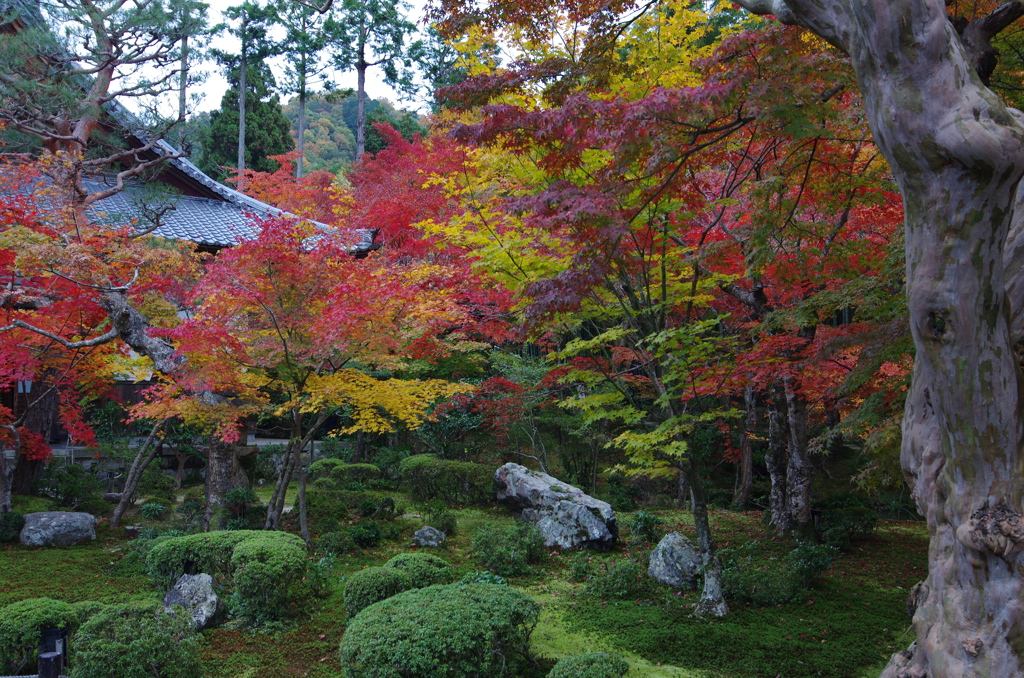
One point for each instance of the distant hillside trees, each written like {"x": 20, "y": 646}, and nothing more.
{"x": 331, "y": 129}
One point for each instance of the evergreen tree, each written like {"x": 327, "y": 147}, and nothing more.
{"x": 268, "y": 131}
{"x": 375, "y": 33}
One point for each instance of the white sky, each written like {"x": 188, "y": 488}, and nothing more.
{"x": 216, "y": 84}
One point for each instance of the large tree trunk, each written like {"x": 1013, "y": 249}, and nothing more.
{"x": 799, "y": 470}
{"x": 302, "y": 120}
{"x": 775, "y": 460}
{"x": 243, "y": 66}
{"x": 223, "y": 473}
{"x": 958, "y": 155}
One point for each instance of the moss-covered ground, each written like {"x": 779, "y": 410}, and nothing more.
{"x": 846, "y": 627}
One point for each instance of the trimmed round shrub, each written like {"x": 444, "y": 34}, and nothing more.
{"x": 458, "y": 631}
{"x": 10, "y": 526}
{"x": 355, "y": 473}
{"x": 509, "y": 552}
{"x": 323, "y": 468}
{"x": 20, "y": 624}
{"x": 265, "y": 570}
{"x": 590, "y": 665}
{"x": 372, "y": 585}
{"x": 335, "y": 543}
{"x": 423, "y": 569}
{"x": 136, "y": 641}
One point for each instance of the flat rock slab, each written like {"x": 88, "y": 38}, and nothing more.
{"x": 675, "y": 561}
{"x": 194, "y": 592}
{"x": 58, "y": 528}
{"x": 566, "y": 515}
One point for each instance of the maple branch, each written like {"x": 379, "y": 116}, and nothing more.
{"x": 86, "y": 343}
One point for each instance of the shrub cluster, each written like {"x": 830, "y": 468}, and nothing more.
{"x": 10, "y": 526}
{"x": 590, "y": 665}
{"x": 265, "y": 569}
{"x": 20, "y": 624}
{"x": 846, "y": 520}
{"x": 751, "y": 576}
{"x": 459, "y": 631}
{"x": 136, "y": 641}
{"x": 645, "y": 527}
{"x": 440, "y": 517}
{"x": 509, "y": 552}
{"x": 453, "y": 482}
{"x": 625, "y": 579}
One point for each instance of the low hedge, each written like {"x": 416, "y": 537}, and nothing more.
{"x": 453, "y": 482}
{"x": 458, "y": 631}
{"x": 136, "y": 641}
{"x": 372, "y": 585}
{"x": 591, "y": 665}
{"x": 423, "y": 569}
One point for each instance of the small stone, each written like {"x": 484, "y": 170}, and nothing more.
{"x": 194, "y": 592}
{"x": 58, "y": 528}
{"x": 428, "y": 536}
{"x": 675, "y": 561}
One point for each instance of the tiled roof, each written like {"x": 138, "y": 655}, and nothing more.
{"x": 219, "y": 221}
{"x": 204, "y": 221}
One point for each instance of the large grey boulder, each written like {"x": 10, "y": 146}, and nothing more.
{"x": 58, "y": 528}
{"x": 675, "y": 561}
{"x": 565, "y": 515}
{"x": 194, "y": 592}
{"x": 428, "y": 536}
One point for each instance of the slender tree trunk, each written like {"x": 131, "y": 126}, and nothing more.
{"x": 179, "y": 475}
{"x": 746, "y": 469}
{"x": 302, "y": 119}
{"x": 776, "y": 460}
{"x": 183, "y": 81}
{"x": 7, "y": 470}
{"x": 303, "y": 516}
{"x": 712, "y": 598}
{"x": 147, "y": 452}
{"x": 360, "y": 109}
{"x": 280, "y": 490}
{"x": 242, "y": 73}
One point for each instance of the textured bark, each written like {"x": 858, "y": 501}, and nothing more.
{"x": 799, "y": 470}
{"x": 746, "y": 468}
{"x": 775, "y": 460}
{"x": 958, "y": 155}
{"x": 223, "y": 473}
{"x": 712, "y": 598}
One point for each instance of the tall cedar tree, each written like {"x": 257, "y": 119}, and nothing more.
{"x": 267, "y": 130}
{"x": 374, "y": 34}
